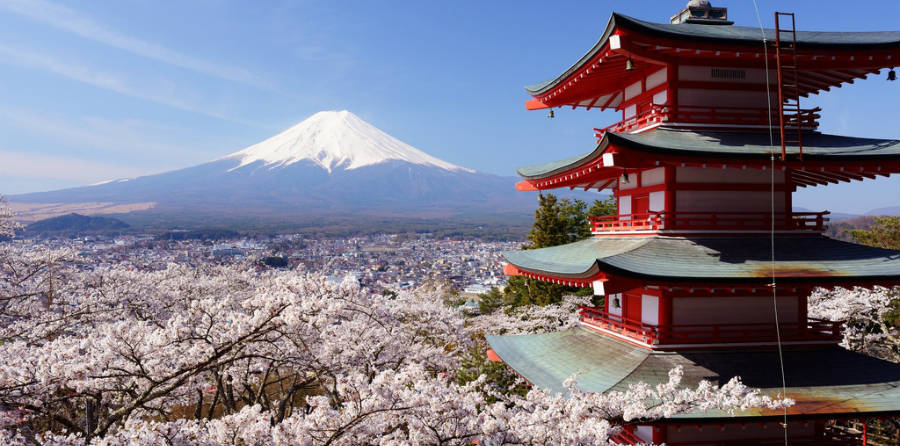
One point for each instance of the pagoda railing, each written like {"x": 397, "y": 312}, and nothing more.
{"x": 717, "y": 115}
{"x": 711, "y": 221}
{"x": 812, "y": 330}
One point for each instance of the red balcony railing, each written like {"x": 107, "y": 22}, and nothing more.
{"x": 702, "y": 115}
{"x": 713, "y": 221}
{"x": 812, "y": 330}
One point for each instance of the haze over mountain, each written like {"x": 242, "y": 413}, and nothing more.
{"x": 332, "y": 163}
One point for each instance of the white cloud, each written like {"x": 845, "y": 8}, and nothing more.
{"x": 122, "y": 137}
{"x": 83, "y": 73}
{"x": 72, "y": 21}
{"x": 51, "y": 167}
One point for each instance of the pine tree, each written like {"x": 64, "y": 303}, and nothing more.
{"x": 603, "y": 207}
{"x": 556, "y": 222}
{"x": 885, "y": 233}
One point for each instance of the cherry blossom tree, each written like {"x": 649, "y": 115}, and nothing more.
{"x": 531, "y": 318}
{"x": 8, "y": 226}
{"x": 865, "y": 313}
{"x": 212, "y": 354}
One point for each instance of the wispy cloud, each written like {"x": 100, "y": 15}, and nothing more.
{"x": 69, "y": 20}
{"x": 112, "y": 136}
{"x": 42, "y": 166}
{"x": 108, "y": 81}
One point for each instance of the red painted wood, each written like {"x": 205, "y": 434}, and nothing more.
{"x": 630, "y": 325}
{"x": 640, "y": 204}
{"x": 632, "y": 307}
{"x": 712, "y": 221}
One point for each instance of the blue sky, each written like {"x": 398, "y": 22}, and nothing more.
{"x": 94, "y": 90}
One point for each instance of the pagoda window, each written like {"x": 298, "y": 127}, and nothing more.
{"x": 717, "y": 310}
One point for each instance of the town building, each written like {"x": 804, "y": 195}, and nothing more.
{"x": 706, "y": 265}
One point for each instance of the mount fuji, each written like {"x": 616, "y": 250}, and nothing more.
{"x": 331, "y": 164}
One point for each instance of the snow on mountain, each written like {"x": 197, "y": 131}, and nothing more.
{"x": 335, "y": 139}
{"x": 332, "y": 164}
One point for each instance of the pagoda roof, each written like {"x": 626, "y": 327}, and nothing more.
{"x": 730, "y": 259}
{"x": 731, "y": 145}
{"x": 822, "y": 381}
{"x": 723, "y": 36}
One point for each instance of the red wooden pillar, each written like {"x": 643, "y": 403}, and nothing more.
{"x": 665, "y": 315}
{"x": 659, "y": 434}
{"x": 802, "y": 307}
{"x": 788, "y": 195}
{"x": 669, "y": 208}
{"x": 672, "y": 87}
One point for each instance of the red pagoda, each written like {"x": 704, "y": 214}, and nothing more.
{"x": 706, "y": 254}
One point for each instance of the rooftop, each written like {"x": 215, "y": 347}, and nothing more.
{"x": 746, "y": 145}
{"x": 749, "y": 38}
{"x": 824, "y": 381}
{"x": 733, "y": 259}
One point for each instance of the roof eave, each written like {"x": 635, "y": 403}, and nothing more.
{"x": 540, "y": 88}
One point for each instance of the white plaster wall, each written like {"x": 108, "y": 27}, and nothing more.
{"x": 632, "y": 90}
{"x": 625, "y": 205}
{"x": 657, "y": 201}
{"x": 630, "y": 111}
{"x": 649, "y": 309}
{"x": 690, "y": 174}
{"x": 656, "y": 78}
{"x": 733, "y": 309}
{"x": 653, "y": 177}
{"x": 661, "y": 97}
{"x": 645, "y": 433}
{"x": 727, "y": 201}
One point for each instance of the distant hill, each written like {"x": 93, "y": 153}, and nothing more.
{"x": 889, "y": 210}
{"x": 840, "y": 230}
{"x": 76, "y": 223}
{"x": 842, "y": 216}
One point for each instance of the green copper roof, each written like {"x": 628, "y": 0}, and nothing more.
{"x": 827, "y": 380}
{"x": 723, "y": 35}
{"x": 737, "y": 259}
{"x": 545, "y": 169}
{"x": 732, "y": 145}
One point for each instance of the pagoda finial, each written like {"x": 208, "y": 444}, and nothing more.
{"x": 702, "y": 12}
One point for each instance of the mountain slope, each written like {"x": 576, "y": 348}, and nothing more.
{"x": 333, "y": 163}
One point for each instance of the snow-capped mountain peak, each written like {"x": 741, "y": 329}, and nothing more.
{"x": 335, "y": 139}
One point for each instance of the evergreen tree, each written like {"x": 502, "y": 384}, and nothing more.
{"x": 556, "y": 222}
{"x": 885, "y": 233}
{"x": 603, "y": 207}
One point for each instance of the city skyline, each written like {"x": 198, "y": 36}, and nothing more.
{"x": 103, "y": 91}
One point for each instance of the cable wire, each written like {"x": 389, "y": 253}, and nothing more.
{"x": 772, "y": 226}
